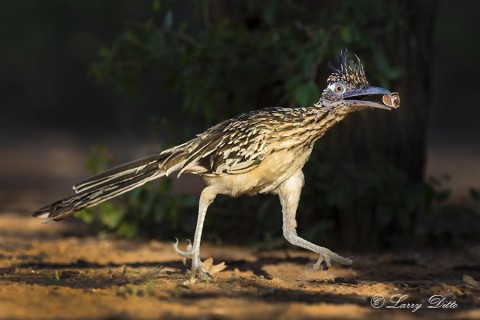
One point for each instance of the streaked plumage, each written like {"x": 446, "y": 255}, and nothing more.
{"x": 256, "y": 152}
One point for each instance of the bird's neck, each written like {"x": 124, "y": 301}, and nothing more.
{"x": 328, "y": 114}
{"x": 304, "y": 126}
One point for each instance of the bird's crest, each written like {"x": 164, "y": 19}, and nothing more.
{"x": 349, "y": 72}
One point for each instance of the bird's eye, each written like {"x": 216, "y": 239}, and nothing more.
{"x": 337, "y": 87}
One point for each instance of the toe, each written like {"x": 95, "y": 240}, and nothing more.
{"x": 339, "y": 259}
{"x": 322, "y": 263}
{"x": 187, "y": 253}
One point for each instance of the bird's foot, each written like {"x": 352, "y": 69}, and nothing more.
{"x": 204, "y": 270}
{"x": 326, "y": 257}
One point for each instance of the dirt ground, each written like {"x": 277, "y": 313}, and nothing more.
{"x": 59, "y": 271}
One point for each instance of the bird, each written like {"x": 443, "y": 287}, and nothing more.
{"x": 258, "y": 152}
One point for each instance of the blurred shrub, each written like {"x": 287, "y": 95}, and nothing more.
{"x": 232, "y": 56}
{"x": 452, "y": 223}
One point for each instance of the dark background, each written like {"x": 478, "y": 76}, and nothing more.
{"x": 52, "y": 112}
{"x": 47, "y": 47}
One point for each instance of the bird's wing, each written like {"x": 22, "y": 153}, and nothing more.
{"x": 240, "y": 144}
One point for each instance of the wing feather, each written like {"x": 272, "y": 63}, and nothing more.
{"x": 240, "y": 144}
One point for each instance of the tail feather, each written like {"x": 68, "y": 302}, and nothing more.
{"x": 119, "y": 172}
{"x": 93, "y": 196}
{"x": 110, "y": 184}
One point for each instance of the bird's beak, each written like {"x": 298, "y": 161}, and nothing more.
{"x": 364, "y": 98}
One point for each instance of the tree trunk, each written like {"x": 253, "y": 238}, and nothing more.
{"x": 398, "y": 136}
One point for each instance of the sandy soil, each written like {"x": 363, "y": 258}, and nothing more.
{"x": 60, "y": 271}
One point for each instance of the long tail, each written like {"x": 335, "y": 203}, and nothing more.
{"x": 112, "y": 183}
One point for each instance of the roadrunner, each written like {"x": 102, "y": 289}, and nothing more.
{"x": 261, "y": 151}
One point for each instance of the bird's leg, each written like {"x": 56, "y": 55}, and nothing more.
{"x": 193, "y": 252}
{"x": 289, "y": 192}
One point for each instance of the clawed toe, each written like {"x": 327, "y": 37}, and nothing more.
{"x": 324, "y": 262}
{"x": 321, "y": 264}
{"x": 184, "y": 253}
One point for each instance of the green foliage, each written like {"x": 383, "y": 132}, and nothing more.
{"x": 452, "y": 223}
{"x": 306, "y": 93}
{"x": 265, "y": 56}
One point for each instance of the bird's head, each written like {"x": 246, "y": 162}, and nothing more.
{"x": 348, "y": 88}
